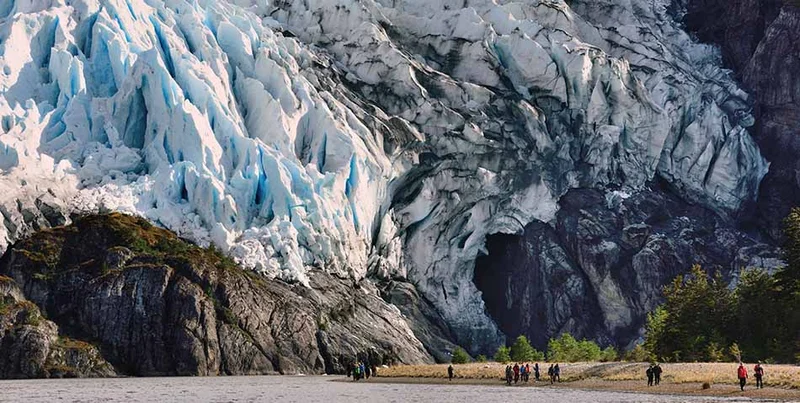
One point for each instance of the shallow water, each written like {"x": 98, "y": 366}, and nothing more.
{"x": 298, "y": 389}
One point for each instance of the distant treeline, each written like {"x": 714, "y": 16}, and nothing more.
{"x": 703, "y": 319}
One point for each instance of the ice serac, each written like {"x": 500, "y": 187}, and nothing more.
{"x": 381, "y": 139}
{"x": 522, "y": 101}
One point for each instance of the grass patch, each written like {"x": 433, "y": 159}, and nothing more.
{"x": 784, "y": 376}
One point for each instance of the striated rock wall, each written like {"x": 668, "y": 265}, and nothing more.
{"x": 31, "y": 346}
{"x": 759, "y": 42}
{"x": 599, "y": 270}
{"x": 155, "y": 305}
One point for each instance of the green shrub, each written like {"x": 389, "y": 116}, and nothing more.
{"x": 460, "y": 356}
{"x": 502, "y": 355}
{"x": 481, "y": 358}
{"x": 609, "y": 354}
{"x": 567, "y": 349}
{"x": 638, "y": 354}
{"x": 522, "y": 351}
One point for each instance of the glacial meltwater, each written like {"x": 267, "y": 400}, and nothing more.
{"x": 300, "y": 389}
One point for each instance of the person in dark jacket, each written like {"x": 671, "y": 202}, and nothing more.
{"x": 649, "y": 373}
{"x": 657, "y": 374}
{"x": 557, "y": 373}
{"x": 551, "y": 374}
{"x": 516, "y": 373}
{"x": 741, "y": 373}
{"x": 450, "y": 372}
{"x": 509, "y": 374}
{"x": 536, "y": 371}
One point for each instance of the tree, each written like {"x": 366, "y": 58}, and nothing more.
{"x": 566, "y": 348}
{"x": 788, "y": 279}
{"x": 522, "y": 351}
{"x": 736, "y": 352}
{"x": 758, "y": 315}
{"x": 759, "y": 319}
{"x": 696, "y": 313}
{"x": 638, "y": 354}
{"x": 502, "y": 355}
{"x": 609, "y": 354}
{"x": 460, "y": 356}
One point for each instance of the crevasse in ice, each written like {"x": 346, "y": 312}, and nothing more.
{"x": 387, "y": 137}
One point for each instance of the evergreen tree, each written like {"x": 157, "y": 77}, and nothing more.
{"x": 522, "y": 351}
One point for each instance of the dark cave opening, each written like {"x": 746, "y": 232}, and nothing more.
{"x": 531, "y": 287}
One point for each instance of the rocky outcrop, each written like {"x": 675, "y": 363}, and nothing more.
{"x": 30, "y": 346}
{"x": 759, "y": 41}
{"x": 156, "y": 305}
{"x": 600, "y": 268}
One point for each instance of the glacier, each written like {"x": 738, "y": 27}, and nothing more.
{"x": 369, "y": 139}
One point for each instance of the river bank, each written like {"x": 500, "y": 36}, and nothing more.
{"x": 781, "y": 381}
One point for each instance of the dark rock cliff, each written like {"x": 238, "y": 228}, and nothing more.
{"x": 760, "y": 42}
{"x": 599, "y": 269}
{"x": 147, "y": 303}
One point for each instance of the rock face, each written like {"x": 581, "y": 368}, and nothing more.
{"x": 31, "y": 347}
{"x": 155, "y": 305}
{"x": 600, "y": 270}
{"x": 759, "y": 41}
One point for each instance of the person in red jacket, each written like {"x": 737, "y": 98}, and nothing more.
{"x": 742, "y": 373}
{"x": 758, "y": 371}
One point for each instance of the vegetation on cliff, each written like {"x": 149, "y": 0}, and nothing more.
{"x": 703, "y": 319}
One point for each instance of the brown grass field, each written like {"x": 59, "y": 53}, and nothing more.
{"x": 782, "y": 381}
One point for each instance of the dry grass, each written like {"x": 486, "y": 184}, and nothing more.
{"x": 785, "y": 376}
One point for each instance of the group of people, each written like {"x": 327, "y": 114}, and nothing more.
{"x": 758, "y": 372}
{"x": 359, "y": 370}
{"x": 654, "y": 374}
{"x": 522, "y": 372}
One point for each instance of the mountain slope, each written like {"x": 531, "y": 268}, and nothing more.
{"x": 380, "y": 139}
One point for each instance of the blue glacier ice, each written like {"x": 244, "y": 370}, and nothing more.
{"x": 374, "y": 137}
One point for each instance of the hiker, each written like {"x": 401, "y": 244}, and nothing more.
{"x": 509, "y": 374}
{"x": 356, "y": 371}
{"x": 557, "y": 373}
{"x": 649, "y": 373}
{"x": 522, "y": 373}
{"x": 349, "y": 370}
{"x": 742, "y": 374}
{"x": 527, "y": 372}
{"x": 374, "y": 370}
{"x": 367, "y": 371}
{"x": 551, "y": 374}
{"x": 450, "y": 372}
{"x": 536, "y": 371}
{"x": 362, "y": 370}
{"x": 516, "y": 373}
{"x": 657, "y": 374}
{"x": 758, "y": 371}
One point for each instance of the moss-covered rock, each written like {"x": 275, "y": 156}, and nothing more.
{"x": 154, "y": 304}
